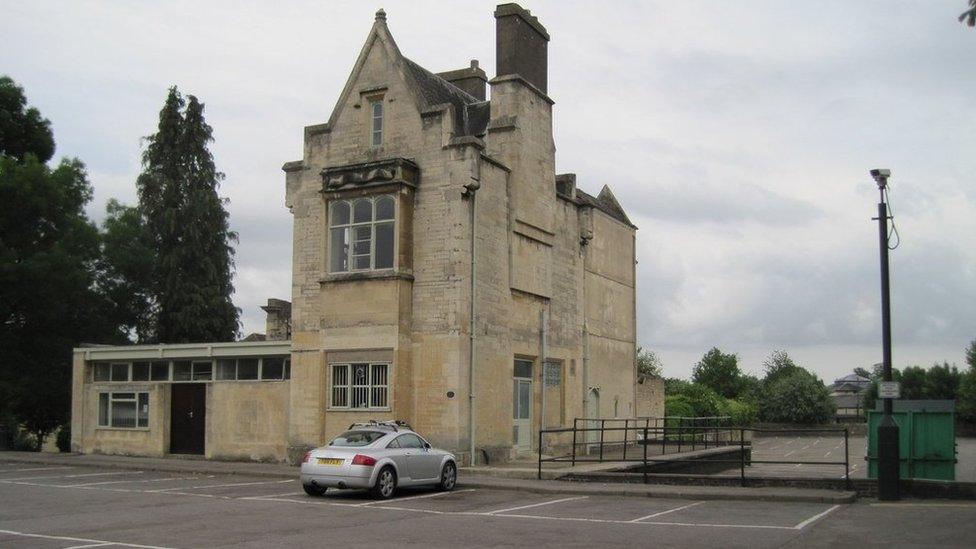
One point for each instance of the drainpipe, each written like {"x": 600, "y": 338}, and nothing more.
{"x": 584, "y": 240}
{"x": 545, "y": 336}
{"x": 586, "y": 368}
{"x": 469, "y": 192}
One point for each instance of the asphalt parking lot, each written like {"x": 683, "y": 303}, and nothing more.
{"x": 44, "y": 506}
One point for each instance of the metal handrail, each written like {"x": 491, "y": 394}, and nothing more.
{"x": 681, "y": 431}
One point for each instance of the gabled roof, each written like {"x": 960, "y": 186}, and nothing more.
{"x": 428, "y": 89}
{"x": 606, "y": 202}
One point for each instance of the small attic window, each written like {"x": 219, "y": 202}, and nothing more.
{"x": 376, "y": 121}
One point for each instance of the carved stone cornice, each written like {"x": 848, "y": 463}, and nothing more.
{"x": 370, "y": 174}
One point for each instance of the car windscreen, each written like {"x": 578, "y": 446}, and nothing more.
{"x": 357, "y": 438}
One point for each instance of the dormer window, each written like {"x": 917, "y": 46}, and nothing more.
{"x": 376, "y": 120}
{"x": 361, "y": 234}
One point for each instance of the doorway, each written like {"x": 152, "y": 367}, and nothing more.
{"x": 522, "y": 406}
{"x": 188, "y": 418}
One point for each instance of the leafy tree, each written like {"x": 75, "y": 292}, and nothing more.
{"x": 798, "y": 397}
{"x": 863, "y": 372}
{"x": 718, "y": 371}
{"x": 188, "y": 228}
{"x": 941, "y": 382}
{"x": 126, "y": 271}
{"x": 778, "y": 364}
{"x": 48, "y": 250}
{"x": 966, "y": 397}
{"x": 969, "y": 16}
{"x": 750, "y": 389}
{"x": 22, "y": 129}
{"x": 648, "y": 363}
{"x": 913, "y": 379}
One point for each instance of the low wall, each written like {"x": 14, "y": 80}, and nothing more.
{"x": 855, "y": 429}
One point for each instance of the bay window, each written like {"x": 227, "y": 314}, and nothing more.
{"x": 361, "y": 234}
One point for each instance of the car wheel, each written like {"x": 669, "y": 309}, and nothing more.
{"x": 313, "y": 490}
{"x": 386, "y": 483}
{"x": 448, "y": 477}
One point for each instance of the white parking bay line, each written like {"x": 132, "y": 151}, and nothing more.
{"x": 497, "y": 511}
{"x": 69, "y": 476}
{"x": 815, "y": 518}
{"x": 91, "y": 542}
{"x": 104, "y": 474}
{"x": 168, "y": 479}
{"x": 422, "y": 496}
{"x": 658, "y": 514}
{"x": 34, "y": 469}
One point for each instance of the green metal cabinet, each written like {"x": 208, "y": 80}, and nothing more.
{"x": 926, "y": 438}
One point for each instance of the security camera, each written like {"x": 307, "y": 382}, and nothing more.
{"x": 881, "y": 177}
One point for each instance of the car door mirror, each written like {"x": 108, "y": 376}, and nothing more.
{"x": 426, "y": 446}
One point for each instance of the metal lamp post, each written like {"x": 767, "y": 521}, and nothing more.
{"x": 888, "y": 451}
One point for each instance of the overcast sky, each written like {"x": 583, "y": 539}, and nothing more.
{"x": 738, "y": 136}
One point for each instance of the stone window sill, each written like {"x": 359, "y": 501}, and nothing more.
{"x": 385, "y": 274}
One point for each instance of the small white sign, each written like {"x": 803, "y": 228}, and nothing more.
{"x": 889, "y": 389}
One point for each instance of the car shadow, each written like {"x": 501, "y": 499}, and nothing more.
{"x": 364, "y": 496}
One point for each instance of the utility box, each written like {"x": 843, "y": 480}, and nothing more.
{"x": 926, "y": 438}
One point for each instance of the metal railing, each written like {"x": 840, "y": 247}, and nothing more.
{"x": 675, "y": 435}
{"x": 693, "y": 432}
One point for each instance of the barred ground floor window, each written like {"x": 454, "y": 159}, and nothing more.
{"x": 360, "y": 385}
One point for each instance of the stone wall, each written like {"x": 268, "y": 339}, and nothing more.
{"x": 650, "y": 396}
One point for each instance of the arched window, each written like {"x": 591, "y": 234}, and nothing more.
{"x": 361, "y": 234}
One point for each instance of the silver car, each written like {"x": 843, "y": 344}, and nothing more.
{"x": 379, "y": 456}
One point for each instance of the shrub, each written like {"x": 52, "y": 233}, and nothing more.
{"x": 64, "y": 438}
{"x": 675, "y": 386}
{"x": 740, "y": 413}
{"x": 678, "y": 406}
{"x": 704, "y": 401}
{"x": 797, "y": 397}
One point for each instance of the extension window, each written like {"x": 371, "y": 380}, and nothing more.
{"x": 123, "y": 410}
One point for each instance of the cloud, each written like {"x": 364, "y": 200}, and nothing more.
{"x": 737, "y": 135}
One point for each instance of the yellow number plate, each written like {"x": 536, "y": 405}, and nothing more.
{"x": 330, "y": 461}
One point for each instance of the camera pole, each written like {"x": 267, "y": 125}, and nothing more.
{"x": 888, "y": 450}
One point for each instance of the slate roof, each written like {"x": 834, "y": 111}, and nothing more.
{"x": 471, "y": 115}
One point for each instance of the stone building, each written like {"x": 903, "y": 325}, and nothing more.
{"x": 437, "y": 257}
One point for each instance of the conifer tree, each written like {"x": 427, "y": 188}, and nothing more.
{"x": 189, "y": 228}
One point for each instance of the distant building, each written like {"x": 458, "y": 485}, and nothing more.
{"x": 848, "y": 395}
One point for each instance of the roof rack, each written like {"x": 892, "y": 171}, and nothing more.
{"x": 395, "y": 425}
